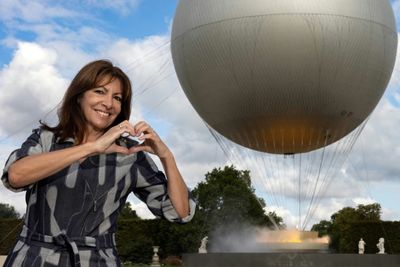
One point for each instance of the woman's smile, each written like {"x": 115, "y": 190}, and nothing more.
{"x": 101, "y": 106}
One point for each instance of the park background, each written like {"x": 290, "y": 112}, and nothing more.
{"x": 44, "y": 43}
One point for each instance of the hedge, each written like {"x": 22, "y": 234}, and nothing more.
{"x": 370, "y": 232}
{"x": 9, "y": 232}
{"x": 135, "y": 238}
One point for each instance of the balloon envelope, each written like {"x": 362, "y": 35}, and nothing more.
{"x": 284, "y": 76}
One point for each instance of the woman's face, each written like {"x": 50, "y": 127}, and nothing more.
{"x": 101, "y": 105}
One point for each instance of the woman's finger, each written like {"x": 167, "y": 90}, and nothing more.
{"x": 117, "y": 149}
{"x": 139, "y": 148}
{"x": 142, "y": 127}
{"x": 126, "y": 126}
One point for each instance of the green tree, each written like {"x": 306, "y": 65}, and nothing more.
{"x": 8, "y": 211}
{"x": 132, "y": 237}
{"x": 9, "y": 232}
{"x": 175, "y": 239}
{"x": 128, "y": 213}
{"x": 227, "y": 197}
{"x": 323, "y": 228}
{"x": 342, "y": 220}
{"x": 134, "y": 240}
{"x": 370, "y": 213}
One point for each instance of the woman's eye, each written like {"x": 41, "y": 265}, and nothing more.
{"x": 99, "y": 91}
{"x": 118, "y": 98}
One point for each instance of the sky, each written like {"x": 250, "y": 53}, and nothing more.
{"x": 43, "y": 43}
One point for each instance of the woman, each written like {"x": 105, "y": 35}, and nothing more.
{"x": 78, "y": 175}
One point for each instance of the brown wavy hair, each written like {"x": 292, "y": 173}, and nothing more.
{"x": 71, "y": 119}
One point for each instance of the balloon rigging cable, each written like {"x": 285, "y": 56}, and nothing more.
{"x": 312, "y": 172}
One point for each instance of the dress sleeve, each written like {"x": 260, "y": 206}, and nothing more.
{"x": 31, "y": 146}
{"x": 151, "y": 188}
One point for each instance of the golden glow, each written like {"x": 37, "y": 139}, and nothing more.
{"x": 282, "y": 135}
{"x": 290, "y": 236}
{"x": 293, "y": 237}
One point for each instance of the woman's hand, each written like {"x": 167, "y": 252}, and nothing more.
{"x": 106, "y": 143}
{"x": 152, "y": 142}
{"x": 177, "y": 189}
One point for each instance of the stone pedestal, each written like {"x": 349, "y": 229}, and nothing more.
{"x": 156, "y": 260}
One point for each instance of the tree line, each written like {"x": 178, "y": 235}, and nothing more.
{"x": 225, "y": 197}
{"x": 348, "y": 225}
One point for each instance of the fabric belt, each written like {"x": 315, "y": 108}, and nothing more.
{"x": 70, "y": 244}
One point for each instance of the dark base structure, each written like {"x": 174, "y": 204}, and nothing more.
{"x": 289, "y": 260}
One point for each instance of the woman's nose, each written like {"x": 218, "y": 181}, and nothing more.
{"x": 108, "y": 101}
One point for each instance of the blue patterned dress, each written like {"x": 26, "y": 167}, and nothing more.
{"x": 71, "y": 216}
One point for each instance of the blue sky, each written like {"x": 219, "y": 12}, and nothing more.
{"x": 44, "y": 43}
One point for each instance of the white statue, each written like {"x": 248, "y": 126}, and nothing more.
{"x": 381, "y": 246}
{"x": 156, "y": 259}
{"x": 361, "y": 246}
{"x": 203, "y": 248}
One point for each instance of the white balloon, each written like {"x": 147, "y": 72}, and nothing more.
{"x": 284, "y": 76}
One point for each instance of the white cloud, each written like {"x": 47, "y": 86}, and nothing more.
{"x": 17, "y": 200}
{"x": 376, "y": 153}
{"x": 390, "y": 214}
{"x": 323, "y": 212}
{"x": 328, "y": 207}
{"x": 158, "y": 98}
{"x": 123, "y": 7}
{"x": 363, "y": 201}
{"x": 38, "y": 74}
{"x": 31, "y": 86}
{"x": 67, "y": 26}
{"x": 141, "y": 209}
{"x": 291, "y": 220}
{"x": 32, "y": 11}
